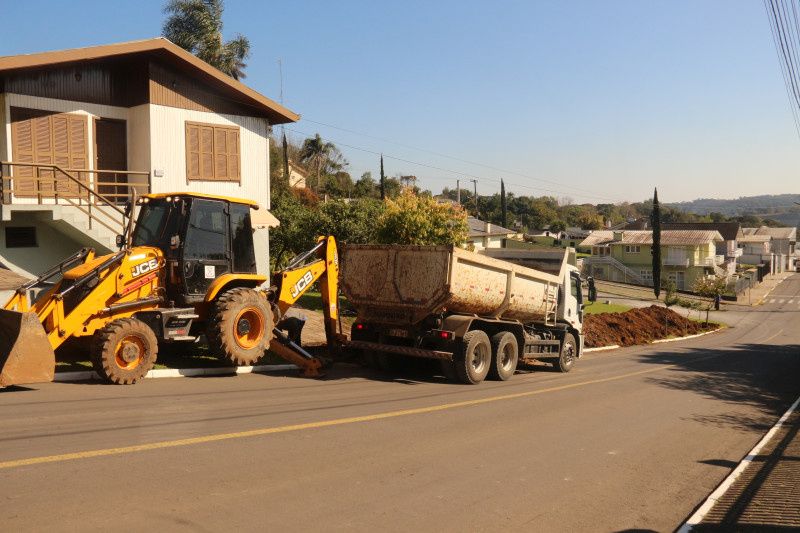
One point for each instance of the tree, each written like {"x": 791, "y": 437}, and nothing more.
{"x": 196, "y": 26}
{"x": 365, "y": 187}
{"x": 318, "y": 154}
{"x": 421, "y": 220}
{"x": 503, "y": 205}
{"x": 655, "y": 223}
{"x": 712, "y": 287}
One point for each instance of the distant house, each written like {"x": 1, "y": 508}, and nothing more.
{"x": 547, "y": 232}
{"x": 297, "y": 176}
{"x": 783, "y": 243}
{"x": 626, "y": 256}
{"x": 83, "y": 128}
{"x": 486, "y": 235}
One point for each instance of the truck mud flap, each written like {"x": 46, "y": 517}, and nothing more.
{"x": 400, "y": 350}
{"x": 25, "y": 353}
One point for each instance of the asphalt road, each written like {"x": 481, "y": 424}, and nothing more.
{"x": 634, "y": 438}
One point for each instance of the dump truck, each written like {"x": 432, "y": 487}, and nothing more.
{"x": 479, "y": 315}
{"x": 185, "y": 270}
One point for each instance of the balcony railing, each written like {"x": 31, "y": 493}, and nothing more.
{"x": 676, "y": 261}
{"x": 97, "y": 193}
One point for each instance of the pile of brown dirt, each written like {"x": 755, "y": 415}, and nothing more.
{"x": 638, "y": 326}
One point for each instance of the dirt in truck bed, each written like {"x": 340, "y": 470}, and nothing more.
{"x": 639, "y": 326}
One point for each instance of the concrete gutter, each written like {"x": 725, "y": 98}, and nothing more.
{"x": 179, "y": 372}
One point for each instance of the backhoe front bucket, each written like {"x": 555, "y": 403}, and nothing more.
{"x": 25, "y": 353}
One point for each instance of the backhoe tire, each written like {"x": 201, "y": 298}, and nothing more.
{"x": 472, "y": 359}
{"x": 505, "y": 355}
{"x": 240, "y": 326}
{"x": 124, "y": 351}
{"x": 568, "y": 355}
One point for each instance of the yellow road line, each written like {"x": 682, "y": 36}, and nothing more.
{"x": 310, "y": 425}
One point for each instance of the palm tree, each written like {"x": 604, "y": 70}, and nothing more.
{"x": 196, "y": 26}
{"x": 317, "y": 153}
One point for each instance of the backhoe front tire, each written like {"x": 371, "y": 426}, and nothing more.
{"x": 124, "y": 351}
{"x": 240, "y": 327}
{"x": 472, "y": 359}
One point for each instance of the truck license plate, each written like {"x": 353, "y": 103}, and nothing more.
{"x": 397, "y": 332}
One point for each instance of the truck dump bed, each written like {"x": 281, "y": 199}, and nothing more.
{"x": 392, "y": 284}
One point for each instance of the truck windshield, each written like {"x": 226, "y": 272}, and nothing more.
{"x": 158, "y": 221}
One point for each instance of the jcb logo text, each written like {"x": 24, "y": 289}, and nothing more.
{"x": 144, "y": 268}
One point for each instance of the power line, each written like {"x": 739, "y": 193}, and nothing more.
{"x": 439, "y": 154}
{"x": 790, "y": 81}
{"x": 456, "y": 172}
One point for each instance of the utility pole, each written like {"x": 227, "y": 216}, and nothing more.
{"x": 475, "y": 188}
{"x": 458, "y": 192}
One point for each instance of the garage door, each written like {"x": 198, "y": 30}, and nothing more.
{"x": 48, "y": 138}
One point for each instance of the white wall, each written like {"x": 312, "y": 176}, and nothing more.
{"x": 53, "y": 246}
{"x": 168, "y": 153}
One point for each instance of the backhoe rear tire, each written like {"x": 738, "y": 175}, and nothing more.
{"x": 124, "y": 351}
{"x": 240, "y": 326}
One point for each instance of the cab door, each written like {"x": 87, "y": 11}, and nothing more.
{"x": 573, "y": 302}
{"x": 206, "y": 253}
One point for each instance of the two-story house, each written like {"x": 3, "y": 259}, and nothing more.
{"x": 83, "y": 128}
{"x": 783, "y": 244}
{"x": 626, "y": 256}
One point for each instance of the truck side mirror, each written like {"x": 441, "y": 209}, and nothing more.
{"x": 120, "y": 240}
{"x": 592, "y": 296}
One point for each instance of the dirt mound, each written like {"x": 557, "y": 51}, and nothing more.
{"x": 638, "y": 326}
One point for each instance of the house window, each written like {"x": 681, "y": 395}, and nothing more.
{"x": 646, "y": 275}
{"x": 21, "y": 237}
{"x": 631, "y": 249}
{"x": 212, "y": 152}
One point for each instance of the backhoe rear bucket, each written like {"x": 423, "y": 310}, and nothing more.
{"x": 25, "y": 353}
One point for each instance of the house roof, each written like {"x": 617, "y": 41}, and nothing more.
{"x": 597, "y": 238}
{"x": 10, "y": 280}
{"x": 167, "y": 51}
{"x": 477, "y": 228}
{"x": 671, "y": 237}
{"x": 728, "y": 230}
{"x": 755, "y": 238}
{"x": 778, "y": 233}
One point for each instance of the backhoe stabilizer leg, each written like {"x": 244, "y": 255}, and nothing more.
{"x": 285, "y": 348}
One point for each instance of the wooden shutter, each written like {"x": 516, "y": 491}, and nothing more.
{"x": 192, "y": 151}
{"x": 47, "y": 139}
{"x": 212, "y": 152}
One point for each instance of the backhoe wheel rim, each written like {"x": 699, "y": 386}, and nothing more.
{"x": 479, "y": 358}
{"x": 248, "y": 328}
{"x": 130, "y": 352}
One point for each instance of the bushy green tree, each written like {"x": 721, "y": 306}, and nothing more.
{"x": 421, "y": 220}
{"x": 711, "y": 287}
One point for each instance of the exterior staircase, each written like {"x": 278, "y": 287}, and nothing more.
{"x": 628, "y": 274}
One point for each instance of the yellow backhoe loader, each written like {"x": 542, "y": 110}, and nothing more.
{"x": 186, "y": 268}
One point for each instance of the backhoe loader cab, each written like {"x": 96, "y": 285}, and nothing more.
{"x": 203, "y": 238}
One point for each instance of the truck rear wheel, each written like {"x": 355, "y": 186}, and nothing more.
{"x": 569, "y": 352}
{"x": 473, "y": 358}
{"x": 505, "y": 354}
{"x": 124, "y": 351}
{"x": 240, "y": 328}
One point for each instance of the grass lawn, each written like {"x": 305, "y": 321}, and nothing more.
{"x": 312, "y": 300}
{"x": 600, "y": 307}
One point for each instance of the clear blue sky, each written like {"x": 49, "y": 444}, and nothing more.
{"x": 603, "y": 100}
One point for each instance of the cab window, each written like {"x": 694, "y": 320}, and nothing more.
{"x": 206, "y": 235}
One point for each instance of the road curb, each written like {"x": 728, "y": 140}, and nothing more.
{"x": 723, "y": 487}
{"x": 179, "y": 372}
{"x": 601, "y": 348}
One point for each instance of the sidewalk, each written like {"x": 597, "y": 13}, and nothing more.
{"x": 766, "y": 496}
{"x": 758, "y": 293}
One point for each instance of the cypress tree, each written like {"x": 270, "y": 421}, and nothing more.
{"x": 383, "y": 179}
{"x": 503, "y": 205}
{"x": 655, "y": 223}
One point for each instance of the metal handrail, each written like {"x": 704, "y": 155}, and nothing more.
{"x": 100, "y": 200}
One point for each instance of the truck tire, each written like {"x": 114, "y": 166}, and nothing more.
{"x": 505, "y": 354}
{"x": 569, "y": 352}
{"x": 473, "y": 358}
{"x": 124, "y": 351}
{"x": 240, "y": 326}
